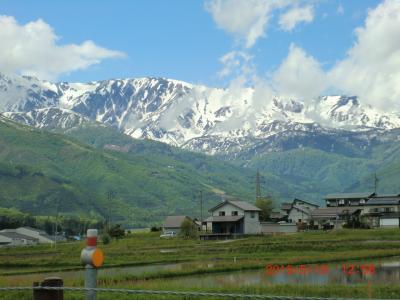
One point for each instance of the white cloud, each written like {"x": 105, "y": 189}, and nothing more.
{"x": 371, "y": 69}
{"x": 236, "y": 62}
{"x": 246, "y": 20}
{"x": 33, "y": 49}
{"x": 296, "y": 15}
{"x": 299, "y": 76}
{"x": 340, "y": 9}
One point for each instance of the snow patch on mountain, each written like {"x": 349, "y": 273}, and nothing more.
{"x": 196, "y": 117}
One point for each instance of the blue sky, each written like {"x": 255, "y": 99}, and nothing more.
{"x": 180, "y": 39}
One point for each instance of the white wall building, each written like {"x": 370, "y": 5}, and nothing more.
{"x": 234, "y": 217}
{"x": 38, "y": 234}
{"x": 9, "y": 237}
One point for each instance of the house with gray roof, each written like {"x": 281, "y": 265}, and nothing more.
{"x": 234, "y": 217}
{"x": 173, "y": 223}
{"x": 332, "y": 217}
{"x": 38, "y": 234}
{"x": 377, "y": 210}
{"x": 300, "y": 211}
{"x": 348, "y": 199}
{"x": 10, "y": 237}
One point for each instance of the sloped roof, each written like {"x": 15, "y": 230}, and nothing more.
{"x": 240, "y": 204}
{"x": 307, "y": 212}
{"x": 16, "y": 235}
{"x": 276, "y": 215}
{"x": 349, "y": 196}
{"x": 286, "y": 206}
{"x": 42, "y": 232}
{"x": 327, "y": 212}
{"x": 387, "y": 196}
{"x": 300, "y": 200}
{"x": 223, "y": 219}
{"x": 174, "y": 221}
{"x": 383, "y": 201}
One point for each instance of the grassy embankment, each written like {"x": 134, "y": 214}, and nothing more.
{"x": 250, "y": 253}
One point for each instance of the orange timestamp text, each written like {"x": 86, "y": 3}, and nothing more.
{"x": 321, "y": 269}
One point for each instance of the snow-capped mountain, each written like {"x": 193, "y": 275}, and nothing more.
{"x": 195, "y": 117}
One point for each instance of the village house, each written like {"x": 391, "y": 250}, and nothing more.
{"x": 234, "y": 217}
{"x": 292, "y": 217}
{"x": 24, "y": 236}
{"x": 347, "y": 199}
{"x": 298, "y": 211}
{"x": 173, "y": 223}
{"x": 332, "y": 217}
{"x": 376, "y": 210}
{"x": 11, "y": 238}
{"x": 40, "y": 235}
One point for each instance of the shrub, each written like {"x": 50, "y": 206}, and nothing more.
{"x": 105, "y": 238}
{"x": 155, "y": 228}
{"x": 116, "y": 231}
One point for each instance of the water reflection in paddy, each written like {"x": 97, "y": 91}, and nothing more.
{"x": 385, "y": 271}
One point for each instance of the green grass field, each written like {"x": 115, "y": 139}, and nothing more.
{"x": 248, "y": 253}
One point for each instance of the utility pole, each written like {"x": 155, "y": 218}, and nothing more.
{"x": 376, "y": 181}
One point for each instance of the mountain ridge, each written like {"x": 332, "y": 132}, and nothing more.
{"x": 197, "y": 118}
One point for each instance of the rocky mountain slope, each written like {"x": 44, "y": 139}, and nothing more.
{"x": 305, "y": 149}
{"x": 211, "y": 120}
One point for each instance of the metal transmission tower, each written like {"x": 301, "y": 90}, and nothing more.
{"x": 259, "y": 182}
{"x": 376, "y": 181}
{"x": 110, "y": 198}
{"x": 201, "y": 208}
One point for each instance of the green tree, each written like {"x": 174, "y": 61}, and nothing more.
{"x": 266, "y": 205}
{"x": 105, "y": 238}
{"x": 189, "y": 230}
{"x": 116, "y": 231}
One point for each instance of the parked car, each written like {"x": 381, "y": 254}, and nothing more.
{"x": 168, "y": 234}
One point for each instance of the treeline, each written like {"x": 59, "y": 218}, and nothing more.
{"x": 68, "y": 225}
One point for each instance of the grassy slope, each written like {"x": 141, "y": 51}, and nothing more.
{"x": 150, "y": 181}
{"x": 314, "y": 173}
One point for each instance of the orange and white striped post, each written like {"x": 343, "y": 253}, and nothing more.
{"x": 92, "y": 258}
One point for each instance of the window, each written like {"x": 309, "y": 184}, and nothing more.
{"x": 234, "y": 213}
{"x": 252, "y": 214}
{"x": 222, "y": 213}
{"x": 341, "y": 202}
{"x": 362, "y": 201}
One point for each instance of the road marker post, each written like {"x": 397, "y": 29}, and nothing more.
{"x": 92, "y": 258}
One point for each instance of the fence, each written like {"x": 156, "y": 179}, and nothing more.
{"x": 174, "y": 293}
